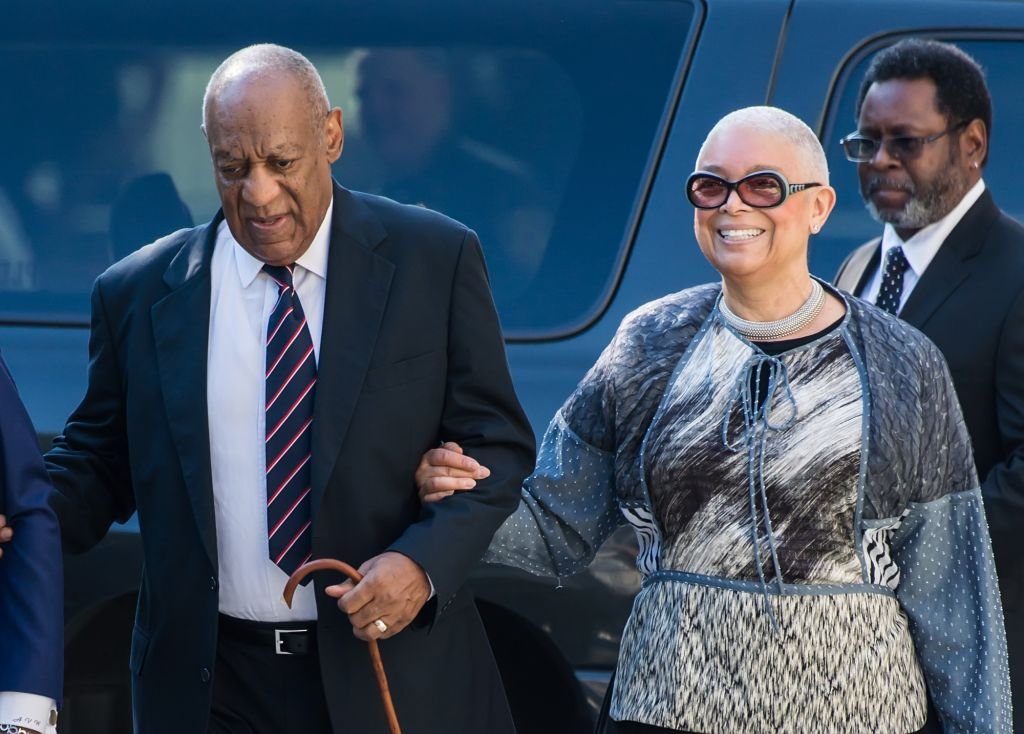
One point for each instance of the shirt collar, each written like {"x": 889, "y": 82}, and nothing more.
{"x": 922, "y": 246}
{"x": 314, "y": 259}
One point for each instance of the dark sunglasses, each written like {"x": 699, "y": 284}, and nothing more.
{"x": 760, "y": 189}
{"x": 860, "y": 148}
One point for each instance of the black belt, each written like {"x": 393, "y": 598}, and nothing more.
{"x": 282, "y": 638}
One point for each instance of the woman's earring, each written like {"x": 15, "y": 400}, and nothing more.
{"x": 815, "y": 227}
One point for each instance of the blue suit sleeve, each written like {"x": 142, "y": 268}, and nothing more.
{"x": 31, "y": 571}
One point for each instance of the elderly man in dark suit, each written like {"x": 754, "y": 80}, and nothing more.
{"x": 952, "y": 264}
{"x": 31, "y": 623}
{"x": 260, "y": 391}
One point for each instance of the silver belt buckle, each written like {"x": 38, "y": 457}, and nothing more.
{"x": 279, "y": 640}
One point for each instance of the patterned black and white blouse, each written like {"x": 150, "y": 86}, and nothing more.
{"x": 812, "y": 561}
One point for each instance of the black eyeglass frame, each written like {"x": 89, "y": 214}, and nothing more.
{"x": 915, "y": 142}
{"x": 785, "y": 187}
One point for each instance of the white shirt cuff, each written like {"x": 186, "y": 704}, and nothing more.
{"x": 28, "y": 710}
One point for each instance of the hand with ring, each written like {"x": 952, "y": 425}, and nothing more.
{"x": 393, "y": 590}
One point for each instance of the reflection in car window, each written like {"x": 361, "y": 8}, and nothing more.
{"x": 850, "y": 225}
{"x": 538, "y": 141}
{"x": 434, "y": 134}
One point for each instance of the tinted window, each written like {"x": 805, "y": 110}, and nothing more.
{"x": 850, "y": 225}
{"x": 533, "y": 125}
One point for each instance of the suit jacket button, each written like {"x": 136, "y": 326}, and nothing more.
{"x": 204, "y": 675}
{"x": 213, "y": 583}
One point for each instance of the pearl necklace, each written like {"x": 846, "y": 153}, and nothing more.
{"x": 770, "y": 330}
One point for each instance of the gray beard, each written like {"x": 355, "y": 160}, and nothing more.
{"x": 926, "y": 205}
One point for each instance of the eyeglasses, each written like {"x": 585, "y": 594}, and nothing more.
{"x": 760, "y": 189}
{"x": 862, "y": 149}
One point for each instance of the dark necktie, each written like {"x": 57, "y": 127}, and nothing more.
{"x": 291, "y": 385}
{"x": 891, "y": 290}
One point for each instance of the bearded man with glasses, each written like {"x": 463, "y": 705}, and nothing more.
{"x": 952, "y": 264}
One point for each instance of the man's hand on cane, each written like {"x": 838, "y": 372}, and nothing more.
{"x": 394, "y": 587}
{"x": 393, "y": 590}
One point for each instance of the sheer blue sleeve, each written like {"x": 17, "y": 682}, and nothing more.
{"x": 567, "y": 509}
{"x": 951, "y": 596}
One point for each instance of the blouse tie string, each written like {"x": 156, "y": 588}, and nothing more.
{"x": 757, "y": 424}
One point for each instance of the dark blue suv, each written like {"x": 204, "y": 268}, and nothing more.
{"x": 561, "y": 130}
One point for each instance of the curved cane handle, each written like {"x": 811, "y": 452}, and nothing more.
{"x": 324, "y": 564}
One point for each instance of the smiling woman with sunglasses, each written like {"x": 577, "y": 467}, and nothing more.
{"x": 760, "y": 189}
{"x": 795, "y": 465}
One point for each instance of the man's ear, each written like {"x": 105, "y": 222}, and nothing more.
{"x": 334, "y": 130}
{"x": 974, "y": 143}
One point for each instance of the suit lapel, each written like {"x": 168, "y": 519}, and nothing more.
{"x": 358, "y": 283}
{"x": 860, "y": 266}
{"x": 181, "y": 329}
{"x": 951, "y": 265}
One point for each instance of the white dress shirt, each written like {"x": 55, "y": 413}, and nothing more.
{"x": 921, "y": 248}
{"x": 242, "y": 299}
{"x": 28, "y": 710}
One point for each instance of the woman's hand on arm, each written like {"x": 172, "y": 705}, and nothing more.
{"x": 5, "y": 533}
{"x": 446, "y": 470}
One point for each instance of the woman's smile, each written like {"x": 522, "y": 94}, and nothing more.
{"x": 736, "y": 234}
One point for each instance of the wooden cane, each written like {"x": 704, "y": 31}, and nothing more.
{"x": 323, "y": 564}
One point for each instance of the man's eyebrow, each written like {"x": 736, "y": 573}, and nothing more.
{"x": 895, "y": 131}
{"x": 282, "y": 150}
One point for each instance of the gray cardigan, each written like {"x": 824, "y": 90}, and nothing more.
{"x": 735, "y": 652}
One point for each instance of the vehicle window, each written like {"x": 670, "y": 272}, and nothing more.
{"x": 850, "y": 225}
{"x": 536, "y": 134}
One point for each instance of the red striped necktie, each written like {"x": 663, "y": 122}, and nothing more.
{"x": 291, "y": 386}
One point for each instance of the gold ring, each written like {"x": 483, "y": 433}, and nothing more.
{"x": 379, "y": 624}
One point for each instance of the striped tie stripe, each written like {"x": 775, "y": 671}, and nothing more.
{"x": 275, "y": 429}
{"x": 288, "y": 480}
{"x": 284, "y": 451}
{"x": 290, "y": 393}
{"x": 288, "y": 514}
{"x": 300, "y": 329}
{"x": 302, "y": 532}
{"x": 299, "y": 366}
{"x": 279, "y": 325}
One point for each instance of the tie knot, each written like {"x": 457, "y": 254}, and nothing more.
{"x": 280, "y": 273}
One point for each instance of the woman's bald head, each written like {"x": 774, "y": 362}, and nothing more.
{"x": 789, "y": 128}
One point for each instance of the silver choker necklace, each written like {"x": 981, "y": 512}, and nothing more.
{"x": 769, "y": 330}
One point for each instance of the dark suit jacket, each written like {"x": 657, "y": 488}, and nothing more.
{"x": 411, "y": 352}
{"x": 31, "y": 580}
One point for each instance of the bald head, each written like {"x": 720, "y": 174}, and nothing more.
{"x": 791, "y": 129}
{"x": 267, "y": 61}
